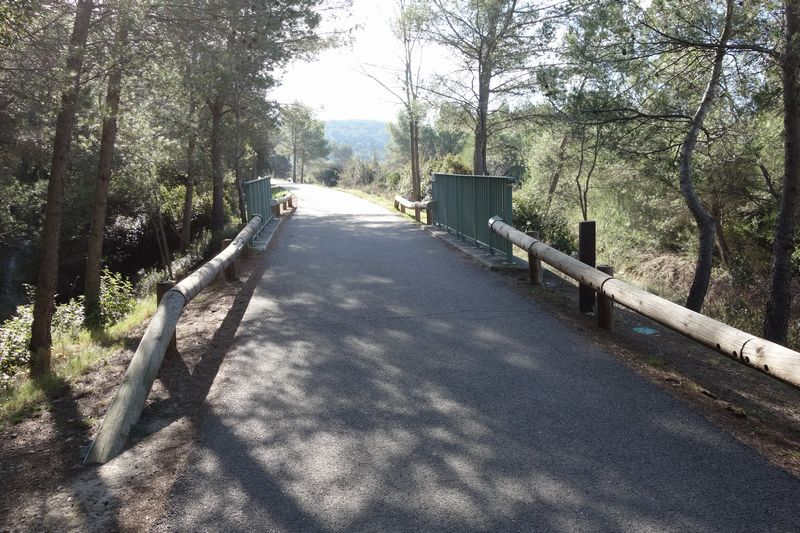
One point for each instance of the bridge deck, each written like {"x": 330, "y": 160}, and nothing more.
{"x": 381, "y": 382}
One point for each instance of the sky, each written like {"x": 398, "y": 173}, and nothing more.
{"x": 334, "y": 84}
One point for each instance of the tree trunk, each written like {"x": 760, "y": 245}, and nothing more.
{"x": 107, "y": 140}
{"x": 218, "y": 199}
{"x": 186, "y": 225}
{"x": 237, "y": 167}
{"x": 260, "y": 164}
{"x": 294, "y": 153}
{"x": 482, "y": 120}
{"x": 776, "y": 320}
{"x": 415, "y": 170}
{"x": 240, "y": 193}
{"x": 706, "y": 225}
{"x": 44, "y": 303}
{"x": 554, "y": 179}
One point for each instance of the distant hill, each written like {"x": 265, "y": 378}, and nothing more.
{"x": 365, "y": 137}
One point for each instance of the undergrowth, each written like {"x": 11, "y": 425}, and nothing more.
{"x": 76, "y": 347}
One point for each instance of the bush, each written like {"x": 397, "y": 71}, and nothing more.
{"x": 15, "y": 336}
{"x": 528, "y": 216}
{"x": 15, "y": 333}
{"x": 116, "y": 297}
{"x": 68, "y": 318}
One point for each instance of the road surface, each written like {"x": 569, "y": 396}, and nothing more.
{"x": 380, "y": 381}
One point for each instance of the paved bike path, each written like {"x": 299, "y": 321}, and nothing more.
{"x": 382, "y": 382}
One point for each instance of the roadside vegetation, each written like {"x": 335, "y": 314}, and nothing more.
{"x": 665, "y": 122}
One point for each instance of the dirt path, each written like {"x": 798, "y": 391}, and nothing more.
{"x": 45, "y": 487}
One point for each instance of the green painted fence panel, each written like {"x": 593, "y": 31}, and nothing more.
{"x": 258, "y": 199}
{"x": 464, "y": 205}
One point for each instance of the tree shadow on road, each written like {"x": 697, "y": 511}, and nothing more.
{"x": 380, "y": 383}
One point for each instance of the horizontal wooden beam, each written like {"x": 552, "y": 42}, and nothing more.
{"x": 128, "y": 403}
{"x": 769, "y": 357}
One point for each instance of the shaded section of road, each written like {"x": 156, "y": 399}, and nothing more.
{"x": 380, "y": 382}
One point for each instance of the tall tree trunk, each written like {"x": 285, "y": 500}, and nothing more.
{"x": 481, "y": 140}
{"x": 776, "y": 320}
{"x": 107, "y": 141}
{"x": 554, "y": 179}
{"x": 186, "y": 225}
{"x": 237, "y": 167}
{"x": 415, "y": 170}
{"x": 217, "y": 176}
{"x": 260, "y": 164}
{"x": 482, "y": 118}
{"x": 706, "y": 225}
{"x": 294, "y": 153}
{"x": 44, "y": 303}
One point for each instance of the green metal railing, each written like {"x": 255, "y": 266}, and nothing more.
{"x": 258, "y": 199}
{"x": 464, "y": 203}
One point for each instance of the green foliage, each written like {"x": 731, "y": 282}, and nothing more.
{"x": 552, "y": 228}
{"x": 116, "y": 297}
{"x": 15, "y": 335}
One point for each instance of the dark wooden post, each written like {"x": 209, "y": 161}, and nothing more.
{"x": 587, "y": 255}
{"x": 161, "y": 289}
{"x": 291, "y": 201}
{"x": 605, "y": 305}
{"x": 534, "y": 269}
{"x": 416, "y": 212}
{"x": 429, "y": 214}
{"x": 402, "y": 208}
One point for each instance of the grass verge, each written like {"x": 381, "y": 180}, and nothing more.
{"x": 73, "y": 355}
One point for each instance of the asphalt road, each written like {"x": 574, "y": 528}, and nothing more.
{"x": 382, "y": 382}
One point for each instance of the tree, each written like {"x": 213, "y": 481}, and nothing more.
{"x": 778, "y": 311}
{"x": 498, "y": 43}
{"x": 409, "y": 24}
{"x": 303, "y": 138}
{"x": 108, "y": 139}
{"x": 706, "y": 225}
{"x": 44, "y": 303}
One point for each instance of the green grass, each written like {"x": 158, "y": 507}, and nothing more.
{"x": 72, "y": 356}
{"x": 279, "y": 193}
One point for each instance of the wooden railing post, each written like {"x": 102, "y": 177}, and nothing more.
{"x": 161, "y": 289}
{"x": 429, "y": 214}
{"x": 416, "y": 211}
{"x": 605, "y": 305}
{"x": 587, "y": 255}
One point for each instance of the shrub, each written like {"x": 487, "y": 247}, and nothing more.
{"x": 15, "y": 336}
{"x": 15, "y": 333}
{"x": 116, "y": 297}
{"x": 68, "y": 317}
{"x": 554, "y": 229}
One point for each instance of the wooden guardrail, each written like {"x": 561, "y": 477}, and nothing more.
{"x": 401, "y": 204}
{"x": 282, "y": 205}
{"x": 128, "y": 403}
{"x": 766, "y": 356}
